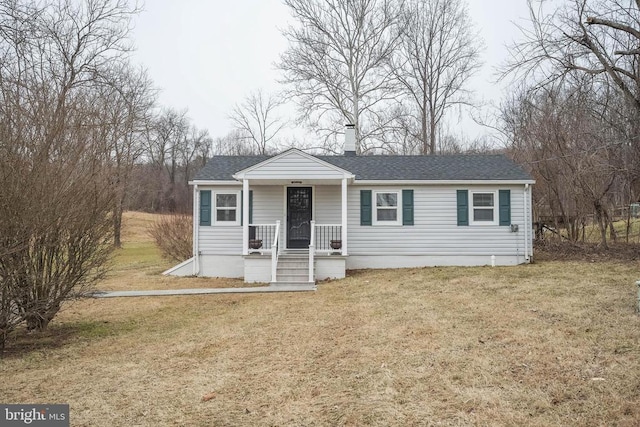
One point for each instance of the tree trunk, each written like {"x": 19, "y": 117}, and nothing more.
{"x": 424, "y": 136}
{"x": 432, "y": 133}
{"x": 117, "y": 224}
{"x": 602, "y": 225}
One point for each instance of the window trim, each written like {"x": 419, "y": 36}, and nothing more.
{"x": 495, "y": 209}
{"x": 214, "y": 208}
{"x": 398, "y": 208}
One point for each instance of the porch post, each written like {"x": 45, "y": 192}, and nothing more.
{"x": 344, "y": 216}
{"x": 196, "y": 228}
{"x": 245, "y": 216}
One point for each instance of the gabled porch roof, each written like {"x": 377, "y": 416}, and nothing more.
{"x": 293, "y": 165}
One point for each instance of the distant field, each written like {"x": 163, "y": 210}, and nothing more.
{"x": 139, "y": 263}
{"x": 548, "y": 344}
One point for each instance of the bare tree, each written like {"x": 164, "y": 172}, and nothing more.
{"x": 335, "y": 65}
{"x": 173, "y": 146}
{"x": 595, "y": 38}
{"x": 194, "y": 151}
{"x": 256, "y": 118}
{"x": 584, "y": 54}
{"x": 565, "y": 136}
{"x": 168, "y": 132}
{"x": 233, "y": 144}
{"x": 123, "y": 110}
{"x": 438, "y": 54}
{"x": 55, "y": 192}
{"x": 590, "y": 39}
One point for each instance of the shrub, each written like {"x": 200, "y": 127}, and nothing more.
{"x": 174, "y": 236}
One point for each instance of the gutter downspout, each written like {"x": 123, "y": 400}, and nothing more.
{"x": 196, "y": 222}
{"x": 526, "y": 222}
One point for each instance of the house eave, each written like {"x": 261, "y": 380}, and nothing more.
{"x": 378, "y": 181}
{"x": 444, "y": 182}
{"x": 213, "y": 182}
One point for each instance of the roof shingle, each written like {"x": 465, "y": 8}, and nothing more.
{"x": 462, "y": 167}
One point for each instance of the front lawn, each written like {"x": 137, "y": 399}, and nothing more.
{"x": 553, "y": 343}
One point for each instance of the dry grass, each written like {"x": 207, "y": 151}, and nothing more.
{"x": 139, "y": 263}
{"x": 555, "y": 343}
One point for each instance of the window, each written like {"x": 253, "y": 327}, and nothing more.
{"x": 387, "y": 208}
{"x": 483, "y": 208}
{"x": 226, "y": 208}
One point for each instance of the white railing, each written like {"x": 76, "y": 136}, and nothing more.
{"x": 274, "y": 252}
{"x": 328, "y": 238}
{"x": 312, "y": 250}
{"x": 260, "y": 237}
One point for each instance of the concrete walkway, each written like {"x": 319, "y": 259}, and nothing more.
{"x": 202, "y": 291}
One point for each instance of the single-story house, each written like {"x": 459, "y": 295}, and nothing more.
{"x": 294, "y": 218}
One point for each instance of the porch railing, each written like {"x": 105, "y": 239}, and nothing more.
{"x": 328, "y": 238}
{"x": 312, "y": 251}
{"x": 261, "y": 237}
{"x": 274, "y": 252}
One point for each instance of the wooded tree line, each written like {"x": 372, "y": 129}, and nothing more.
{"x": 575, "y": 123}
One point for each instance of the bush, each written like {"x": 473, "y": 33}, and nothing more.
{"x": 174, "y": 236}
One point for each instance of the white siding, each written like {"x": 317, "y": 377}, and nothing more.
{"x": 268, "y": 203}
{"x": 434, "y": 239}
{"x": 294, "y": 166}
{"x": 435, "y": 231}
{"x": 328, "y": 204}
{"x": 220, "y": 239}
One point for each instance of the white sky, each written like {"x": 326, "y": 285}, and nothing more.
{"x": 207, "y": 55}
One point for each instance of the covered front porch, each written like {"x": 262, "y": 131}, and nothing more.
{"x": 297, "y": 219}
{"x": 292, "y": 238}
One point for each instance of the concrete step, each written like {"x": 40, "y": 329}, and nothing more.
{"x": 294, "y": 265}
{"x": 293, "y": 256}
{"x": 301, "y": 285}
{"x": 292, "y": 280}
{"x": 289, "y": 274}
{"x": 293, "y": 268}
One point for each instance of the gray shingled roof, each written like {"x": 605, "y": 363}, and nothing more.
{"x": 463, "y": 167}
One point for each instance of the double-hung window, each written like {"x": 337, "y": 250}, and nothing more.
{"x": 483, "y": 208}
{"x": 387, "y": 208}
{"x": 226, "y": 208}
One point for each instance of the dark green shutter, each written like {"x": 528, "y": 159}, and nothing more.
{"x": 463, "y": 207}
{"x": 505, "y": 207}
{"x": 407, "y": 207}
{"x": 205, "y": 207}
{"x": 365, "y": 207}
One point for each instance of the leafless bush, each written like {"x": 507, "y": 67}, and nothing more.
{"x": 56, "y": 186}
{"x": 173, "y": 235}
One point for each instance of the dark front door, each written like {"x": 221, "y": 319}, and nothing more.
{"x": 298, "y": 217}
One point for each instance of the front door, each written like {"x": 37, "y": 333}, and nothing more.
{"x": 298, "y": 217}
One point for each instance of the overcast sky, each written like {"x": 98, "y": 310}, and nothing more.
{"x": 207, "y": 55}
